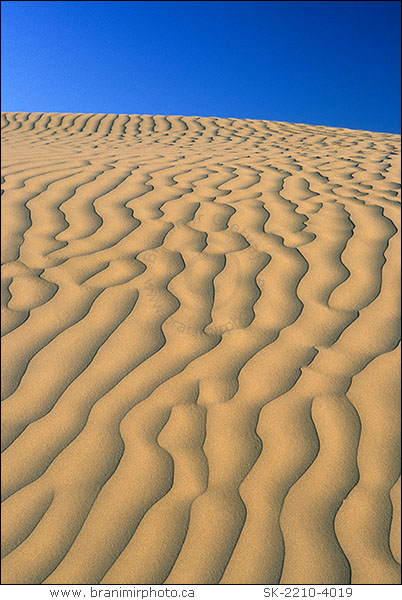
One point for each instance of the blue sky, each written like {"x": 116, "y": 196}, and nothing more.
{"x": 324, "y": 63}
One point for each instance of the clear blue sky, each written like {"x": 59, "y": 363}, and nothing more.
{"x": 326, "y": 63}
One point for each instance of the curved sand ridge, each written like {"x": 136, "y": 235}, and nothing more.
{"x": 201, "y": 351}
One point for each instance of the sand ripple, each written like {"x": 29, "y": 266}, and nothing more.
{"x": 201, "y": 351}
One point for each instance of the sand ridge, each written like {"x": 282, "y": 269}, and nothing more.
{"x": 201, "y": 351}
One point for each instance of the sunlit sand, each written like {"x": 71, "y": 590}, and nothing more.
{"x": 201, "y": 351}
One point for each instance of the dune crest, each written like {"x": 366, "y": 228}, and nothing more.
{"x": 201, "y": 351}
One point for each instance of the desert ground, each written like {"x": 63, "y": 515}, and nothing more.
{"x": 200, "y": 352}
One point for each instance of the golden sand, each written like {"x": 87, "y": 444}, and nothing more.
{"x": 201, "y": 351}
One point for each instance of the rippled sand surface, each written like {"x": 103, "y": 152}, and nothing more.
{"x": 201, "y": 355}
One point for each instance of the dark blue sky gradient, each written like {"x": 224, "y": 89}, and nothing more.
{"x": 324, "y": 63}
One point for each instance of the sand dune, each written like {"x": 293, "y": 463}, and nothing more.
{"x": 201, "y": 351}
